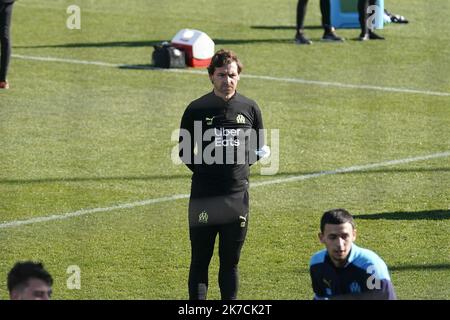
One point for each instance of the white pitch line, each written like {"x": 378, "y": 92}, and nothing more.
{"x": 350, "y": 86}
{"x": 351, "y": 169}
{"x": 73, "y": 61}
{"x": 83, "y": 212}
{"x": 250, "y": 76}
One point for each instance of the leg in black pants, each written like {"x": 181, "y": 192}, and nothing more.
{"x": 202, "y": 249}
{"x": 5, "y": 22}
{"x": 231, "y": 240}
{"x": 325, "y": 10}
{"x": 329, "y": 31}
{"x": 366, "y": 34}
{"x": 301, "y": 12}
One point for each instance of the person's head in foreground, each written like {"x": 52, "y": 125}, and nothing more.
{"x": 29, "y": 281}
{"x": 337, "y": 233}
{"x": 344, "y": 270}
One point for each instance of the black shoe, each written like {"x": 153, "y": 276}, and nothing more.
{"x": 301, "y": 39}
{"x": 374, "y": 36}
{"x": 370, "y": 36}
{"x": 398, "y": 19}
{"x": 363, "y": 37}
{"x": 331, "y": 36}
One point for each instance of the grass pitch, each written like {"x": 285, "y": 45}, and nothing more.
{"x": 78, "y": 136}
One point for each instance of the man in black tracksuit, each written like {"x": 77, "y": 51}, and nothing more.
{"x": 5, "y": 22}
{"x": 219, "y": 140}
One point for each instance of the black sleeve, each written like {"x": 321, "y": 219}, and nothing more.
{"x": 386, "y": 292}
{"x": 186, "y": 139}
{"x": 258, "y": 128}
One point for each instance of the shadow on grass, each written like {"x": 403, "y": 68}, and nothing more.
{"x": 95, "y": 179}
{"x": 139, "y": 67}
{"x": 292, "y": 27}
{"x": 333, "y": 172}
{"x": 112, "y": 44}
{"x": 252, "y": 41}
{"x": 432, "y": 267}
{"x": 407, "y": 215}
{"x": 149, "y": 43}
{"x": 369, "y": 171}
{"x": 188, "y": 175}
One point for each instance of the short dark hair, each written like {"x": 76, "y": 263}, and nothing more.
{"x": 24, "y": 271}
{"x": 336, "y": 216}
{"x": 224, "y": 57}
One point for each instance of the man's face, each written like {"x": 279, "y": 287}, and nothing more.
{"x": 338, "y": 239}
{"x": 35, "y": 289}
{"x": 225, "y": 80}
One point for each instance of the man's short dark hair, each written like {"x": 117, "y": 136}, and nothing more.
{"x": 336, "y": 216}
{"x": 224, "y": 57}
{"x": 24, "y": 271}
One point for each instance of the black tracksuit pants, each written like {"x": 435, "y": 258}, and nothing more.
{"x": 362, "y": 11}
{"x": 324, "y": 9}
{"x": 5, "y": 39}
{"x": 224, "y": 216}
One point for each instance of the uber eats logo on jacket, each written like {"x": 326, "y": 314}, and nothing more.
{"x": 227, "y": 137}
